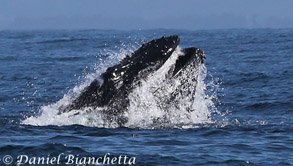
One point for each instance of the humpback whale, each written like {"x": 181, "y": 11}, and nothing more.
{"x": 118, "y": 81}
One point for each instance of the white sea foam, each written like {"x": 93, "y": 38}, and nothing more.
{"x": 146, "y": 108}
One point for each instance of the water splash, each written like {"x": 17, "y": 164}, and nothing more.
{"x": 148, "y": 108}
{"x": 151, "y": 109}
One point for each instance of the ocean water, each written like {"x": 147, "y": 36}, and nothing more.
{"x": 243, "y": 107}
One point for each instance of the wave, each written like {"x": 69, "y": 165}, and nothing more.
{"x": 63, "y": 40}
{"x": 63, "y": 59}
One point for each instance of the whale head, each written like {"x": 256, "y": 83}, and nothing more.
{"x": 120, "y": 80}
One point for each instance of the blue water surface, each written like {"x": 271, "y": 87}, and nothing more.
{"x": 253, "y": 68}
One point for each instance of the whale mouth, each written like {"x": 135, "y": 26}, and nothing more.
{"x": 189, "y": 55}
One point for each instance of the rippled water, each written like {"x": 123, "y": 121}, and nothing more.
{"x": 249, "y": 76}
